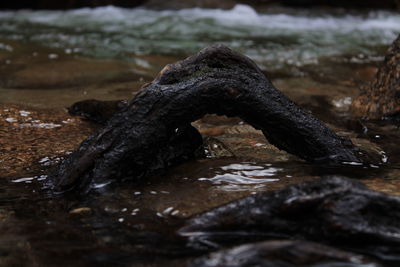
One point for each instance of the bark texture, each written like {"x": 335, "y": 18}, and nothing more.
{"x": 136, "y": 141}
{"x": 382, "y": 97}
{"x": 333, "y": 210}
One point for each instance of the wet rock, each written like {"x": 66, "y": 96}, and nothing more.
{"x": 216, "y": 149}
{"x": 382, "y": 97}
{"x": 139, "y": 140}
{"x": 335, "y": 211}
{"x": 282, "y": 253}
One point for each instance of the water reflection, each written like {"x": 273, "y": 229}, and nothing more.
{"x": 244, "y": 176}
{"x": 29, "y": 180}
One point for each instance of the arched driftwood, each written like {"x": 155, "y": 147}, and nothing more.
{"x": 152, "y": 132}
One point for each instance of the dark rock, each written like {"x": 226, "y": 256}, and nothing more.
{"x": 333, "y": 210}
{"x": 282, "y": 253}
{"x": 215, "y": 81}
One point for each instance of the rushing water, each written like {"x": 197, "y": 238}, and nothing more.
{"x": 49, "y": 59}
{"x": 273, "y": 39}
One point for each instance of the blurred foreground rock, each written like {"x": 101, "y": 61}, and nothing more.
{"x": 335, "y": 211}
{"x": 282, "y": 253}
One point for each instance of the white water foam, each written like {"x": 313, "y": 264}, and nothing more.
{"x": 291, "y": 38}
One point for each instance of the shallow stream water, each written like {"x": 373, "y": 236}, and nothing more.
{"x": 49, "y": 60}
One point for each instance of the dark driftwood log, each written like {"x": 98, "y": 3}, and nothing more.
{"x": 335, "y": 211}
{"x": 382, "y": 97}
{"x": 99, "y": 111}
{"x": 282, "y": 253}
{"x": 216, "y": 80}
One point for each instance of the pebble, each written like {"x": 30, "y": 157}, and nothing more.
{"x": 81, "y": 210}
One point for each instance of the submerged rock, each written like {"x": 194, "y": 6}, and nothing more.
{"x": 333, "y": 210}
{"x": 282, "y": 253}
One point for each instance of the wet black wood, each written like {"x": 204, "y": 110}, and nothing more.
{"x": 335, "y": 211}
{"x": 137, "y": 140}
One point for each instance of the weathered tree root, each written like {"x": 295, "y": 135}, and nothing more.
{"x": 382, "y": 98}
{"x": 99, "y": 111}
{"x": 335, "y": 211}
{"x": 216, "y": 80}
{"x": 282, "y": 253}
